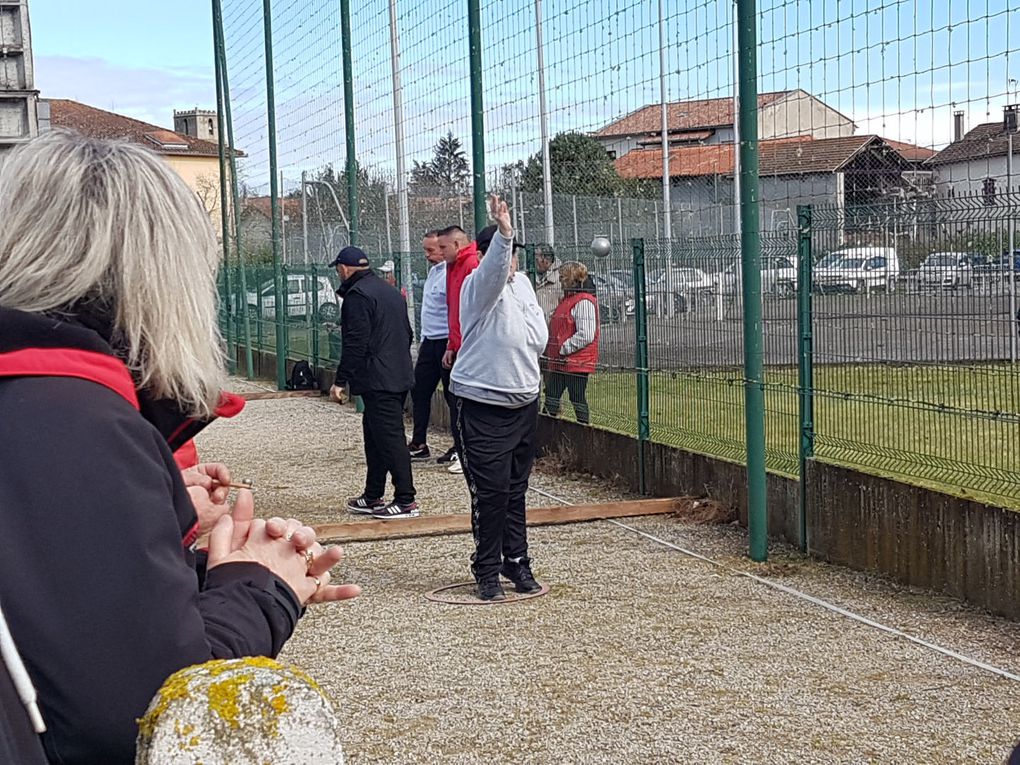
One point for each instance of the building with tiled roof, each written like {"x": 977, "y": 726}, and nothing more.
{"x": 194, "y": 159}
{"x": 844, "y": 172}
{"x": 781, "y": 114}
{"x": 975, "y": 163}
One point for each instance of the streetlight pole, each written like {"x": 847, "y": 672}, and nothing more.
{"x": 550, "y": 228}
{"x": 403, "y": 212}
{"x": 304, "y": 218}
{"x": 1012, "y": 252}
{"x": 667, "y": 223}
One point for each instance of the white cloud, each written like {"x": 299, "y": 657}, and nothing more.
{"x": 143, "y": 93}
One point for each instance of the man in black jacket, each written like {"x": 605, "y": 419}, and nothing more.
{"x": 375, "y": 363}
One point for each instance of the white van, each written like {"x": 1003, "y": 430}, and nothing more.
{"x": 858, "y": 269}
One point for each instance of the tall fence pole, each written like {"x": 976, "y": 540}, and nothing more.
{"x": 543, "y": 113}
{"x": 805, "y": 364}
{"x": 750, "y": 257}
{"x": 242, "y": 298}
{"x": 274, "y": 197}
{"x": 352, "y": 157}
{"x": 403, "y": 211}
{"x": 641, "y": 357}
{"x": 667, "y": 226}
{"x": 228, "y": 298}
{"x": 477, "y": 117}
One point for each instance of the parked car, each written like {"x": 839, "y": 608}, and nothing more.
{"x": 859, "y": 269}
{"x": 951, "y": 270}
{"x": 997, "y": 267}
{"x": 778, "y": 276}
{"x": 300, "y": 301}
{"x": 613, "y": 297}
{"x": 678, "y": 284}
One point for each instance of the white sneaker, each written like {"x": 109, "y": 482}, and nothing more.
{"x": 455, "y": 466}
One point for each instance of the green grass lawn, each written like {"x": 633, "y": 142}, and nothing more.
{"x": 952, "y": 428}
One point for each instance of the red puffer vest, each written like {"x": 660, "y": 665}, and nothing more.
{"x": 561, "y": 328}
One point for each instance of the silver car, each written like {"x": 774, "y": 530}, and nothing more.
{"x": 946, "y": 270}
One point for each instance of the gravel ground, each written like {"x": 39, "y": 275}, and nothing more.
{"x": 638, "y": 654}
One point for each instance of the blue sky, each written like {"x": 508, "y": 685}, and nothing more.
{"x": 898, "y": 67}
{"x": 123, "y": 56}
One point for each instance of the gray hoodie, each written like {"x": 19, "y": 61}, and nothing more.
{"x": 504, "y": 332}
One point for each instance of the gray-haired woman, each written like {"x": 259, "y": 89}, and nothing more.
{"x": 110, "y": 357}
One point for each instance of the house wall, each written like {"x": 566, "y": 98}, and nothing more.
{"x": 802, "y": 114}
{"x": 967, "y": 178}
{"x": 202, "y": 174}
{"x": 704, "y": 205}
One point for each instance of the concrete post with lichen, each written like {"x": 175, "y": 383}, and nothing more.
{"x": 239, "y": 711}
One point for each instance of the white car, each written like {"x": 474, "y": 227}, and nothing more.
{"x": 680, "y": 282}
{"x": 946, "y": 269}
{"x": 858, "y": 269}
{"x": 778, "y": 276}
{"x": 300, "y": 301}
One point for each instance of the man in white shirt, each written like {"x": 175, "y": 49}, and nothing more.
{"x": 496, "y": 384}
{"x": 429, "y": 370}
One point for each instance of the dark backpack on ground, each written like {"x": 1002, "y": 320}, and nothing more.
{"x": 302, "y": 378}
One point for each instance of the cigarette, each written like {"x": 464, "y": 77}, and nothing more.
{"x": 245, "y": 484}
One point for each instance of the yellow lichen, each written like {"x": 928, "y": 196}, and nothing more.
{"x": 174, "y": 689}
{"x": 279, "y": 704}
{"x": 223, "y": 698}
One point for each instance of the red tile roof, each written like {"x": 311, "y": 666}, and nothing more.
{"x": 98, "y": 123}
{"x": 785, "y": 156}
{"x": 982, "y": 142}
{"x": 910, "y": 152}
{"x": 682, "y": 116}
{"x": 291, "y": 207}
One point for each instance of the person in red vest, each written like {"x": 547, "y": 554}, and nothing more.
{"x": 573, "y": 349}
{"x": 461, "y": 256}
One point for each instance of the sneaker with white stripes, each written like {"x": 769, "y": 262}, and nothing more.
{"x": 395, "y": 510}
{"x": 455, "y": 466}
{"x": 364, "y": 506}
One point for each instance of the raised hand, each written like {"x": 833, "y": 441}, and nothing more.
{"x": 500, "y": 213}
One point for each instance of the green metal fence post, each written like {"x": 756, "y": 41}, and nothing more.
{"x": 228, "y": 297}
{"x": 477, "y": 119}
{"x": 529, "y": 264}
{"x": 805, "y": 362}
{"x": 274, "y": 197}
{"x": 242, "y": 285}
{"x": 750, "y": 258}
{"x": 314, "y": 324}
{"x": 641, "y": 357}
{"x": 352, "y": 157}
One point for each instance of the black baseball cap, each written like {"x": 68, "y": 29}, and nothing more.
{"x": 350, "y": 256}
{"x": 484, "y": 237}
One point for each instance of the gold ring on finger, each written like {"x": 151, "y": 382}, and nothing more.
{"x": 309, "y": 558}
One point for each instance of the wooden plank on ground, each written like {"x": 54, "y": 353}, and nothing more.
{"x": 439, "y": 525}
{"x": 263, "y": 395}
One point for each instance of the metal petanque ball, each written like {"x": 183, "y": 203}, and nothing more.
{"x": 601, "y": 247}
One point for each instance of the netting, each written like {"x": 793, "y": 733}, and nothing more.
{"x": 891, "y": 120}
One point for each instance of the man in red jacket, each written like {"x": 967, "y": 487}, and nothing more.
{"x": 461, "y": 258}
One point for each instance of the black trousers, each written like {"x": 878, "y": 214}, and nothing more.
{"x": 498, "y": 452}
{"x": 428, "y": 373}
{"x": 385, "y": 448}
{"x": 576, "y": 386}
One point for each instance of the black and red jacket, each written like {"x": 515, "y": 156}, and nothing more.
{"x": 101, "y": 596}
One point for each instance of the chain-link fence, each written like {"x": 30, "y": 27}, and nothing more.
{"x": 889, "y": 319}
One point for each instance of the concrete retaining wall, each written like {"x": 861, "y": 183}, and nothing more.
{"x": 914, "y": 535}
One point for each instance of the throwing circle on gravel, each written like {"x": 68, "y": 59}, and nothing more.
{"x": 463, "y": 594}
